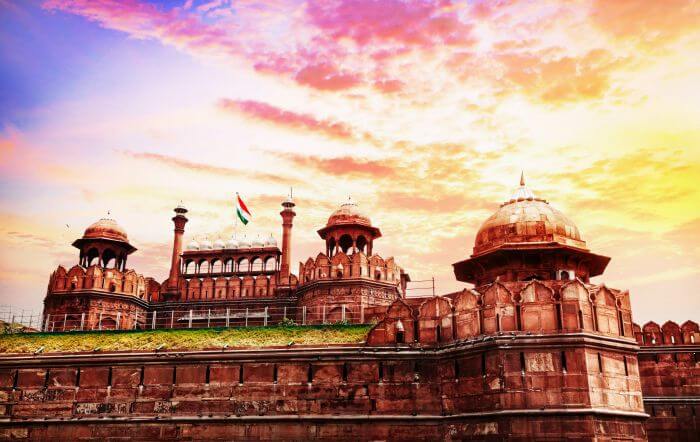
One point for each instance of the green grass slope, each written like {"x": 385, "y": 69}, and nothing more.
{"x": 185, "y": 339}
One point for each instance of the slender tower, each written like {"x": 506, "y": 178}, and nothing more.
{"x": 288, "y": 215}
{"x": 179, "y": 220}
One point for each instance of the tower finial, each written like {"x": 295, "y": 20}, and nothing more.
{"x": 522, "y": 178}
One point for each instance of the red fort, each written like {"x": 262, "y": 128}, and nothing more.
{"x": 532, "y": 351}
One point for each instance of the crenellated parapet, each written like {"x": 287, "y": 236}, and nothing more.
{"x": 542, "y": 307}
{"x": 97, "y": 279}
{"x": 670, "y": 333}
{"x": 355, "y": 266}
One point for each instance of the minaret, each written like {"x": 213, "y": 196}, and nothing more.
{"x": 179, "y": 220}
{"x": 288, "y": 215}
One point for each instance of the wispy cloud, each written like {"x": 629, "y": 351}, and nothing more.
{"x": 342, "y": 166}
{"x": 293, "y": 120}
{"x": 203, "y": 168}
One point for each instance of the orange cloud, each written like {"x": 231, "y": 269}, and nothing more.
{"x": 9, "y": 140}
{"x": 557, "y": 79}
{"x": 648, "y": 23}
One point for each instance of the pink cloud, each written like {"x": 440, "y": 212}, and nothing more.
{"x": 326, "y": 76}
{"x": 147, "y": 21}
{"x": 417, "y": 23}
{"x": 293, "y": 120}
{"x": 343, "y": 165}
{"x": 183, "y": 164}
{"x": 9, "y": 141}
{"x": 389, "y": 86}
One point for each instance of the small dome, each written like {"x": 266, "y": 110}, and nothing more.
{"x": 257, "y": 242}
{"x": 244, "y": 244}
{"x": 193, "y": 245}
{"x": 206, "y": 245}
{"x": 271, "y": 242}
{"x": 232, "y": 244}
{"x": 106, "y": 228}
{"x": 348, "y": 213}
{"x": 219, "y": 244}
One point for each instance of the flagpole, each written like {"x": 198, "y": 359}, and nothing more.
{"x": 235, "y": 220}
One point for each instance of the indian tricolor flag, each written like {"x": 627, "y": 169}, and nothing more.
{"x": 242, "y": 210}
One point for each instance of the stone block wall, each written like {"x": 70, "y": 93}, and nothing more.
{"x": 491, "y": 390}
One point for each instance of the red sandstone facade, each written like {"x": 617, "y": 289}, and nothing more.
{"x": 533, "y": 351}
{"x": 336, "y": 285}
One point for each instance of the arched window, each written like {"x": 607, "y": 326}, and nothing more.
{"x": 564, "y": 275}
{"x": 203, "y": 266}
{"x": 270, "y": 264}
{"x": 361, "y": 244}
{"x": 93, "y": 257}
{"x": 378, "y": 275}
{"x": 216, "y": 266}
{"x": 189, "y": 266}
{"x": 257, "y": 264}
{"x": 244, "y": 265}
{"x": 108, "y": 258}
{"x": 339, "y": 271}
{"x": 331, "y": 247}
{"x": 228, "y": 265}
{"x": 400, "y": 338}
{"x": 345, "y": 243}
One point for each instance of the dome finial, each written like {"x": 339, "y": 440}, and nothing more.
{"x": 522, "y": 178}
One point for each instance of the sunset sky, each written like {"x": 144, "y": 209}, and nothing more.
{"x": 425, "y": 112}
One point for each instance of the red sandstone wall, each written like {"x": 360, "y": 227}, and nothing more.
{"x": 460, "y": 396}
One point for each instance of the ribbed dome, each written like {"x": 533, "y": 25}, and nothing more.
{"x": 348, "y": 213}
{"x": 232, "y": 244}
{"x": 193, "y": 245}
{"x": 219, "y": 244}
{"x": 206, "y": 245}
{"x": 106, "y": 228}
{"x": 244, "y": 244}
{"x": 526, "y": 219}
{"x": 257, "y": 242}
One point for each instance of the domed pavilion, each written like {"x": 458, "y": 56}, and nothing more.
{"x": 348, "y": 230}
{"x": 527, "y": 238}
{"x": 104, "y": 243}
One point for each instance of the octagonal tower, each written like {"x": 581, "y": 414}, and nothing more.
{"x": 99, "y": 292}
{"x": 349, "y": 279}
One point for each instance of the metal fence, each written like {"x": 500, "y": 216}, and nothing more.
{"x": 203, "y": 318}
{"x": 19, "y": 319}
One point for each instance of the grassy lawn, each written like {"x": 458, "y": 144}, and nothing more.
{"x": 187, "y": 339}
